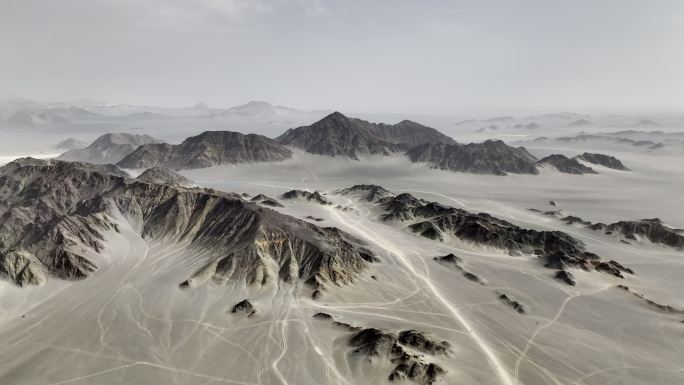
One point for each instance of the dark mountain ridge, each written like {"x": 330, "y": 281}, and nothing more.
{"x": 54, "y": 214}
{"x": 338, "y": 135}
{"x": 211, "y": 148}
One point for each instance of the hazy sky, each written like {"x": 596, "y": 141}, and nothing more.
{"x": 455, "y": 57}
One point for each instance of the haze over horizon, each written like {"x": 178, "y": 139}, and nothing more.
{"x": 460, "y": 58}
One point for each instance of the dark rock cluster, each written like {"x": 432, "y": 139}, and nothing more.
{"x": 384, "y": 344}
{"x": 555, "y": 249}
{"x": 515, "y": 305}
{"x": 244, "y": 307}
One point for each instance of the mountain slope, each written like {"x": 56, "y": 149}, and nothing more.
{"x": 108, "y": 148}
{"x": 338, "y": 135}
{"x": 55, "y": 213}
{"x": 208, "y": 149}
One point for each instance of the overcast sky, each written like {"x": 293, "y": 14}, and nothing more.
{"x": 456, "y": 57}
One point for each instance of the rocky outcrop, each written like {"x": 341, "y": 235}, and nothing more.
{"x": 108, "y": 148}
{"x": 602, "y": 160}
{"x": 652, "y": 229}
{"x": 160, "y": 175}
{"x": 244, "y": 307}
{"x": 315, "y": 196}
{"x": 566, "y": 277}
{"x": 490, "y": 157}
{"x": 388, "y": 345}
{"x": 211, "y": 148}
{"x": 338, "y": 135}
{"x": 59, "y": 212}
{"x": 566, "y": 165}
{"x": 515, "y": 305}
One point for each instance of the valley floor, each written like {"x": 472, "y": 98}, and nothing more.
{"x": 131, "y": 323}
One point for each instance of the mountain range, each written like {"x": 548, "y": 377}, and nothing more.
{"x": 335, "y": 135}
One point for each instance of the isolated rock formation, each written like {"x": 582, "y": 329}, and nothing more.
{"x": 338, "y": 135}
{"x": 211, "y": 148}
{"x": 603, "y": 160}
{"x": 108, "y": 148}
{"x": 391, "y": 346}
{"x": 566, "y": 165}
{"x": 490, "y": 157}
{"x": 244, "y": 307}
